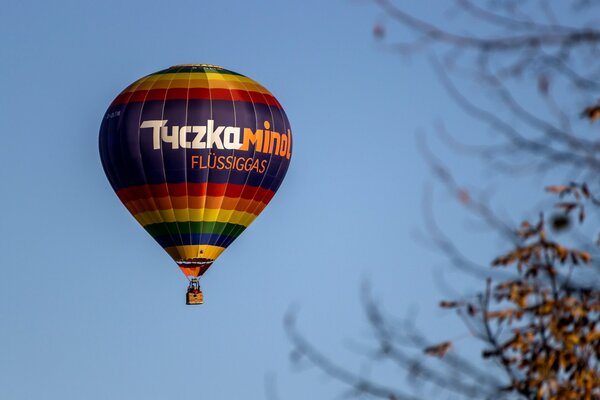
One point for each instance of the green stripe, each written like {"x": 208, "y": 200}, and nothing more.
{"x": 237, "y": 231}
{"x": 219, "y": 228}
{"x": 196, "y": 69}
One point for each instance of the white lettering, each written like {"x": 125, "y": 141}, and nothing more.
{"x": 206, "y": 137}
{"x": 213, "y": 136}
{"x": 197, "y": 143}
{"x": 183, "y": 131}
{"x": 231, "y": 138}
{"x": 173, "y": 138}
{"x": 156, "y": 125}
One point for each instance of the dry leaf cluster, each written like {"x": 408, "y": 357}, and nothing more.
{"x": 544, "y": 334}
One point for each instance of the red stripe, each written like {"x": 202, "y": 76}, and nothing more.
{"x": 195, "y": 93}
{"x": 196, "y": 189}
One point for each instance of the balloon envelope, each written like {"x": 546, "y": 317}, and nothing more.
{"x": 195, "y": 152}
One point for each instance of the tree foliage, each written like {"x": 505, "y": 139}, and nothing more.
{"x": 537, "y": 313}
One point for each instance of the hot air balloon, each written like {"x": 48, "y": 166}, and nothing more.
{"x": 195, "y": 152}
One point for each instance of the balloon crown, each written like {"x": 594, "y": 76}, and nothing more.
{"x": 197, "y": 65}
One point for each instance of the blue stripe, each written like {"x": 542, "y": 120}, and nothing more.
{"x": 129, "y": 159}
{"x": 195, "y": 239}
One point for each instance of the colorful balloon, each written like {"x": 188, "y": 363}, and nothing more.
{"x": 195, "y": 152}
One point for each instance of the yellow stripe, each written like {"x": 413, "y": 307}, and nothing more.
{"x": 201, "y": 83}
{"x": 196, "y": 215}
{"x": 199, "y": 76}
{"x": 153, "y": 217}
{"x": 180, "y": 253}
{"x": 215, "y": 80}
{"x": 208, "y": 79}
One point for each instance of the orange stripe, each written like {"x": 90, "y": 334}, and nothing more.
{"x": 195, "y": 189}
{"x": 179, "y": 203}
{"x": 195, "y": 94}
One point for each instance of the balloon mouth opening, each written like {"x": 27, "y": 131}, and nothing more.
{"x": 194, "y": 267}
{"x": 195, "y": 261}
{"x": 196, "y": 66}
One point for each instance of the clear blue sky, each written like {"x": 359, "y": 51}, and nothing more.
{"x": 91, "y": 308}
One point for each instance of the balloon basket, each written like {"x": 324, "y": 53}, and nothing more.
{"x": 194, "y": 294}
{"x": 194, "y": 298}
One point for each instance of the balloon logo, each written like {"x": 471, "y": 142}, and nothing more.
{"x": 195, "y": 152}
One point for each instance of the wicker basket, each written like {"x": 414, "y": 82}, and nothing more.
{"x": 193, "y": 297}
